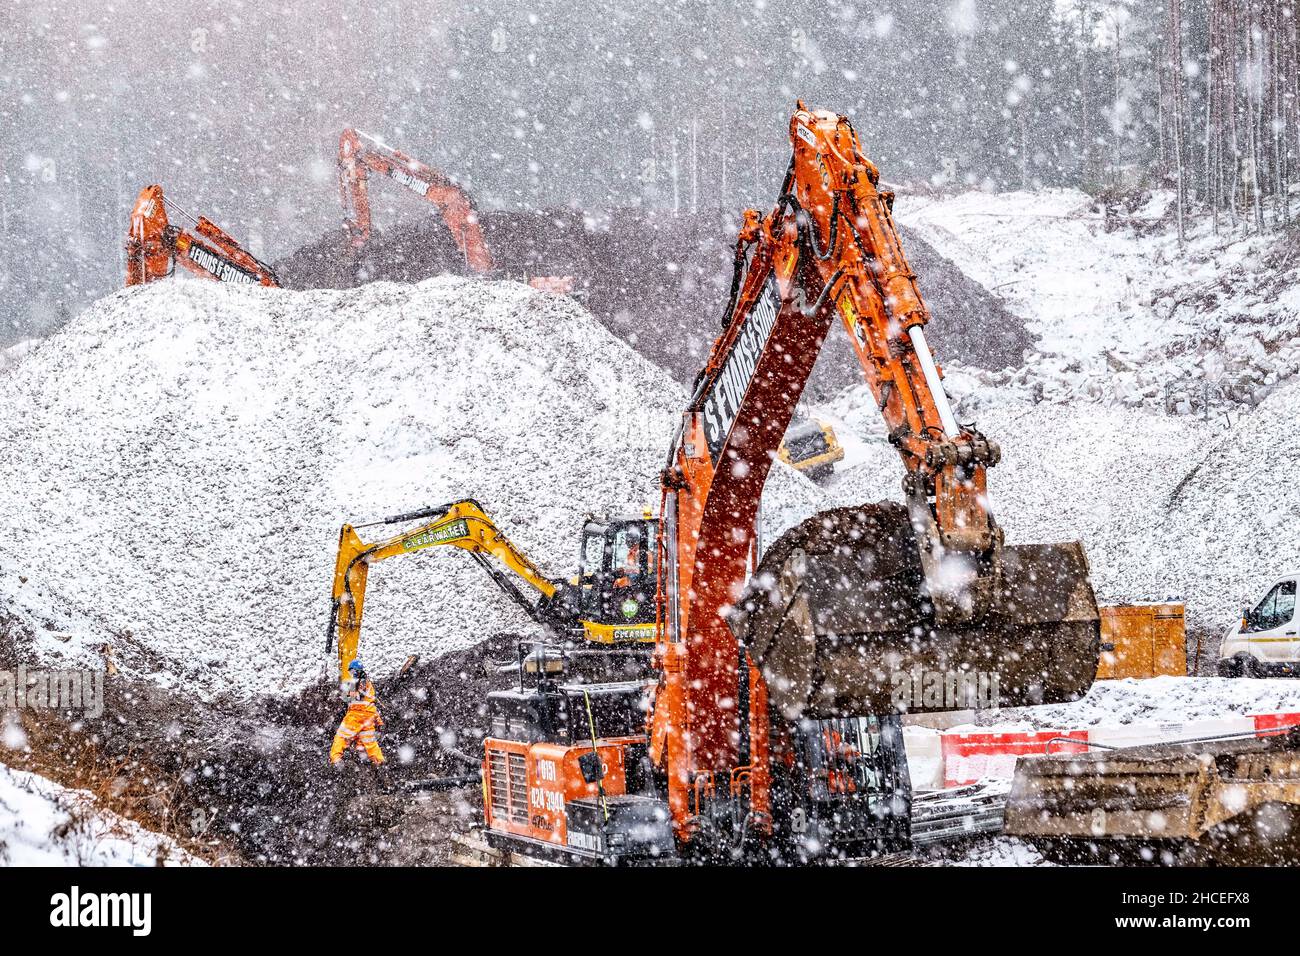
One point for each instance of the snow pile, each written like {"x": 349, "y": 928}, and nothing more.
{"x": 658, "y": 280}
{"x": 997, "y": 851}
{"x": 175, "y": 465}
{"x": 45, "y": 824}
{"x": 1124, "y": 315}
{"x": 178, "y": 461}
{"x": 1103, "y": 475}
{"x": 1151, "y": 702}
{"x": 1168, "y": 507}
{"x": 1228, "y": 526}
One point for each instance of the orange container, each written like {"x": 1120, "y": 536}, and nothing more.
{"x": 1142, "y": 640}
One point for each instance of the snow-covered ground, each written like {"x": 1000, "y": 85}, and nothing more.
{"x": 998, "y": 851}
{"x": 1130, "y": 711}
{"x": 1154, "y": 702}
{"x": 176, "y": 462}
{"x": 1169, "y": 506}
{"x": 45, "y": 824}
{"x": 1123, "y": 313}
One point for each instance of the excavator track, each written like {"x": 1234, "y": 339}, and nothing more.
{"x": 837, "y": 619}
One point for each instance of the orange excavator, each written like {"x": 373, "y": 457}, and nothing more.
{"x": 361, "y": 154}
{"x": 774, "y": 729}
{"x": 154, "y": 246}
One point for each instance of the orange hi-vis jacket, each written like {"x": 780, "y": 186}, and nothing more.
{"x": 360, "y": 725}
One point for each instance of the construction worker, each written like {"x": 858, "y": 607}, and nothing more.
{"x": 631, "y": 564}
{"x": 361, "y": 723}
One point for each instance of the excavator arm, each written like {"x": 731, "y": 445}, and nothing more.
{"x": 154, "y": 246}
{"x": 361, "y": 154}
{"x": 854, "y": 595}
{"x": 462, "y": 524}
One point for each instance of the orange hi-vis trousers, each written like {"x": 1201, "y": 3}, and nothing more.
{"x": 359, "y": 729}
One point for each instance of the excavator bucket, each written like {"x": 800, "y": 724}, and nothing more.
{"x": 837, "y": 619}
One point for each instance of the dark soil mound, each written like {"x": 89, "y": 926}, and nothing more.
{"x": 254, "y": 775}
{"x": 659, "y": 282}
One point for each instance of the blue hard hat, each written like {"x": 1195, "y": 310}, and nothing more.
{"x": 356, "y": 667}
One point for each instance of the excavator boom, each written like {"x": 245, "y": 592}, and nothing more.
{"x": 361, "y": 154}
{"x": 462, "y": 524}
{"x": 154, "y": 246}
{"x": 842, "y": 605}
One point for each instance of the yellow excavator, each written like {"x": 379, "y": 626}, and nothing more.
{"x": 610, "y": 601}
{"x": 811, "y": 446}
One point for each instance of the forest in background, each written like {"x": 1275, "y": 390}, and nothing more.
{"x": 236, "y": 108}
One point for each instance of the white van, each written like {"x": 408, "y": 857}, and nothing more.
{"x": 1266, "y": 641}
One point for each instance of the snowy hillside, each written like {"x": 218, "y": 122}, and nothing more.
{"x": 175, "y": 465}
{"x": 177, "y": 461}
{"x": 1167, "y": 505}
{"x": 1126, "y": 483}
{"x": 45, "y": 824}
{"x": 1123, "y": 314}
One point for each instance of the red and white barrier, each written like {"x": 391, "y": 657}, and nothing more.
{"x": 969, "y": 757}
{"x": 1272, "y": 725}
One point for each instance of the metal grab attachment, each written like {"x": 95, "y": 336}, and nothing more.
{"x": 837, "y": 611}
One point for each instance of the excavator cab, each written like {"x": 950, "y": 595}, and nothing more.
{"x": 618, "y": 576}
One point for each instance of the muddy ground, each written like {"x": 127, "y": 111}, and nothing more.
{"x": 249, "y": 782}
{"x": 659, "y": 282}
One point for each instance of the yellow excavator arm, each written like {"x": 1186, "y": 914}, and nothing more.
{"x": 462, "y": 524}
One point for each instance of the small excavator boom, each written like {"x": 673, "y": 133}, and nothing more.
{"x": 361, "y": 154}
{"x": 609, "y": 603}
{"x": 154, "y": 246}
{"x": 462, "y": 524}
